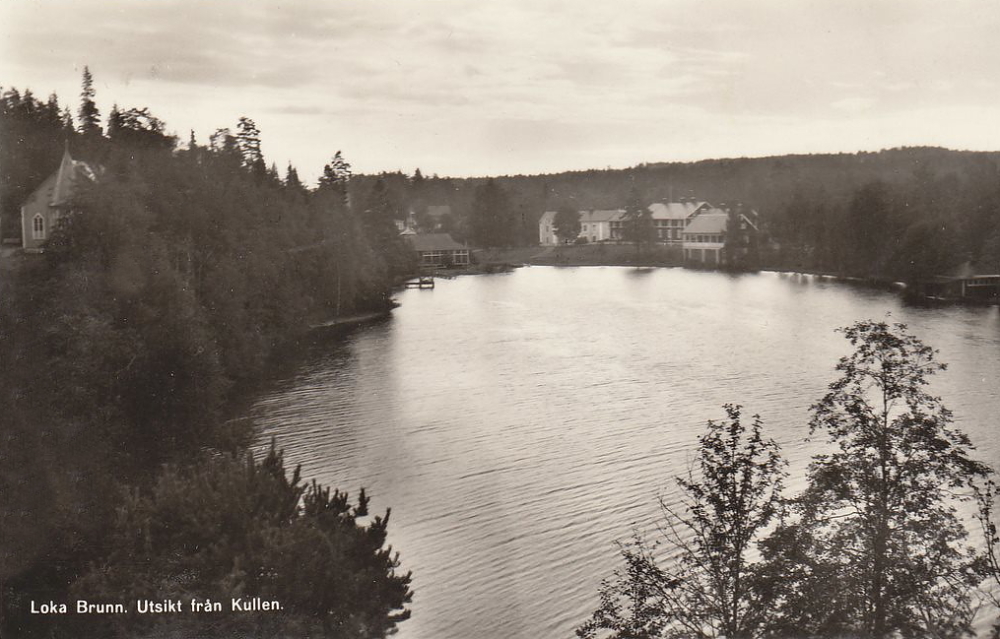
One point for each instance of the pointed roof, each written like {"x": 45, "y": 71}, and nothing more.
{"x": 67, "y": 176}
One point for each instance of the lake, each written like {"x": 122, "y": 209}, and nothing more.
{"x": 519, "y": 424}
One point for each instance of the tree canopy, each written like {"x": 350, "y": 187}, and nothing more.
{"x": 873, "y": 547}
{"x": 877, "y": 541}
{"x": 567, "y": 223}
{"x": 697, "y": 578}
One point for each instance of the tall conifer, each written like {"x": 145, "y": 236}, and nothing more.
{"x": 90, "y": 117}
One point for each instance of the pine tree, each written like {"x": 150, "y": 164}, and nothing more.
{"x": 337, "y": 176}
{"x": 248, "y": 141}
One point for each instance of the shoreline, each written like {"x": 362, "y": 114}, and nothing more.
{"x": 357, "y": 319}
{"x": 568, "y": 257}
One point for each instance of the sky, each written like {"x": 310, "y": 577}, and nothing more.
{"x": 467, "y": 88}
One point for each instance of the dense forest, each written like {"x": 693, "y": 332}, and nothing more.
{"x": 176, "y": 276}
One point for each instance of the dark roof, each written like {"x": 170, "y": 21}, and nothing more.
{"x": 58, "y": 188}
{"x": 434, "y": 242}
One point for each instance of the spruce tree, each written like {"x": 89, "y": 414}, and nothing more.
{"x": 292, "y": 180}
{"x": 89, "y": 116}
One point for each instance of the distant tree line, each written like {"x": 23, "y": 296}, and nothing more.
{"x": 180, "y": 273}
{"x": 899, "y": 214}
{"x": 872, "y": 548}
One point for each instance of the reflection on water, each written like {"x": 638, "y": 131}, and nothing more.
{"x": 518, "y": 424}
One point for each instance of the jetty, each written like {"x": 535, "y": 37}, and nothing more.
{"x": 424, "y": 281}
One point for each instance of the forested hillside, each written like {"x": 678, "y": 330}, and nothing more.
{"x": 899, "y": 213}
{"x": 176, "y": 276}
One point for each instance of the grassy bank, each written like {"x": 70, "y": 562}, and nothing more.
{"x": 582, "y": 255}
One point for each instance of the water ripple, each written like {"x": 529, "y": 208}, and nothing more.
{"x": 518, "y": 425}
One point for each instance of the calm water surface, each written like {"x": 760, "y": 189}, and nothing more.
{"x": 519, "y": 424}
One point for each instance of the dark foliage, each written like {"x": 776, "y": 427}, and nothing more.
{"x": 637, "y": 221}
{"x": 175, "y": 277}
{"x": 229, "y": 528}
{"x": 89, "y": 116}
{"x": 567, "y": 223}
{"x": 492, "y": 217}
{"x": 986, "y": 515}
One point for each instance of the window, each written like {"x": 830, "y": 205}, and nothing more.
{"x": 431, "y": 257}
{"x": 38, "y": 227}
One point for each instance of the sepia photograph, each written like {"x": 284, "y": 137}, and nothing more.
{"x": 533, "y": 319}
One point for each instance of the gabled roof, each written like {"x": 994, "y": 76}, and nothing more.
{"x": 434, "y": 242}
{"x": 710, "y": 221}
{"x": 676, "y": 210}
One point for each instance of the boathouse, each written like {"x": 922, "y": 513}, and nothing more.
{"x": 966, "y": 282}
{"x": 438, "y": 250}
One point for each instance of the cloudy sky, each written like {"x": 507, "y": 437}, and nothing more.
{"x": 527, "y": 86}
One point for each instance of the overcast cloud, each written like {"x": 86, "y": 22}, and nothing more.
{"x": 527, "y": 86}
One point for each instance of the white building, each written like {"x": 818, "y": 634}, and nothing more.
{"x": 595, "y": 226}
{"x": 670, "y": 219}
{"x": 706, "y": 233}
{"x": 704, "y": 237}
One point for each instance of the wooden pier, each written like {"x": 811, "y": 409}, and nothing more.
{"x": 424, "y": 281}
